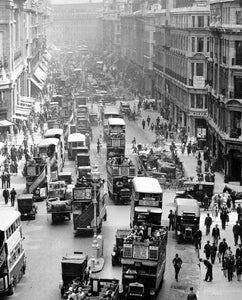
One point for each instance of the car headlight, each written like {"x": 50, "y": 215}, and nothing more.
{"x": 113, "y": 253}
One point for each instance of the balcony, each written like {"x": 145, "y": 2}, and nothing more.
{"x": 235, "y": 133}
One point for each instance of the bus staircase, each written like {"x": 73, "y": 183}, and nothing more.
{"x": 38, "y": 181}
{"x": 3, "y": 256}
{"x": 85, "y": 219}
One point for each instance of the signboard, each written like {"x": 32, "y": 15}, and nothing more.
{"x": 82, "y": 194}
{"x": 199, "y": 81}
{"x": 141, "y": 252}
{"x": 149, "y": 202}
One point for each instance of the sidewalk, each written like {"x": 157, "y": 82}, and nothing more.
{"x": 220, "y": 288}
{"x": 18, "y": 181}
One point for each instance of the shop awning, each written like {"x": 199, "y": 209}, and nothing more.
{"x": 37, "y": 84}
{"x": 6, "y": 123}
{"x": 40, "y": 74}
{"x": 26, "y": 102}
{"x": 22, "y": 111}
{"x": 18, "y": 117}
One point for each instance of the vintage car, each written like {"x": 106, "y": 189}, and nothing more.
{"x": 187, "y": 218}
{"x": 26, "y": 206}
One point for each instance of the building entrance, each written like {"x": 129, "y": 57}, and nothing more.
{"x": 235, "y": 165}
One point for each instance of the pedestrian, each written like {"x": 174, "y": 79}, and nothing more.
{"x": 230, "y": 266}
{"x": 207, "y": 223}
{"x": 191, "y": 295}
{"x": 158, "y": 121}
{"x": 240, "y": 233}
{"x": 8, "y": 177}
{"x": 87, "y": 275}
{"x": 6, "y": 195}
{"x": 207, "y": 250}
{"x": 98, "y": 145}
{"x": 239, "y": 210}
{"x": 205, "y": 202}
{"x": 171, "y": 217}
{"x": 177, "y": 263}
{"x": 216, "y": 234}
{"x": 223, "y": 218}
{"x": 209, "y": 266}
{"x": 236, "y": 233}
{"x": 213, "y": 251}
{"x": 3, "y": 178}
{"x": 152, "y": 126}
{"x": 143, "y": 124}
{"x": 189, "y": 148}
{"x": 148, "y": 120}
{"x": 198, "y": 238}
{"x": 223, "y": 246}
{"x": 238, "y": 266}
{"x": 238, "y": 252}
{"x": 12, "y": 196}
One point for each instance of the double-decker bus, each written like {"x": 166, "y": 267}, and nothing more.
{"x": 109, "y": 112}
{"x": 146, "y": 201}
{"x": 12, "y": 255}
{"x": 57, "y": 133}
{"x": 115, "y": 138}
{"x": 51, "y": 147}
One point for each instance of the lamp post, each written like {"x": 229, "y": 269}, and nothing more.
{"x": 96, "y": 263}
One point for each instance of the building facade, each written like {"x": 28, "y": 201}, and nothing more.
{"x": 225, "y": 88}
{"x": 76, "y": 24}
{"x": 180, "y": 64}
{"x": 137, "y": 43}
{"x": 22, "y": 42}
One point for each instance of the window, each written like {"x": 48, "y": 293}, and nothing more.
{"x": 199, "y": 101}
{"x": 208, "y": 21}
{"x": 199, "y": 69}
{"x": 193, "y": 21}
{"x": 200, "y": 21}
{"x": 208, "y": 39}
{"x": 193, "y": 44}
{"x": 192, "y": 101}
{"x": 200, "y": 44}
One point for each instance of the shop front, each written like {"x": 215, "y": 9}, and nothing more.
{"x": 233, "y": 166}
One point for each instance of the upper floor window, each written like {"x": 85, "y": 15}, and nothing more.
{"x": 193, "y": 44}
{"x": 193, "y": 21}
{"x": 200, "y": 44}
{"x": 199, "y": 69}
{"x": 200, "y": 21}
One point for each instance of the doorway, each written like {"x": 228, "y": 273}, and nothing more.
{"x": 235, "y": 165}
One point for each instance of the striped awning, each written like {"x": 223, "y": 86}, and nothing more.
{"x": 40, "y": 74}
{"x": 39, "y": 85}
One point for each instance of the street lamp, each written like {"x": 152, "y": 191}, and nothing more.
{"x": 96, "y": 263}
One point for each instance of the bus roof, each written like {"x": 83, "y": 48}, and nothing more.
{"x": 116, "y": 121}
{"x": 53, "y": 132}
{"x": 147, "y": 185}
{"x": 111, "y": 110}
{"x": 8, "y": 217}
{"x": 187, "y": 205}
{"x": 47, "y": 142}
{"x": 76, "y": 137}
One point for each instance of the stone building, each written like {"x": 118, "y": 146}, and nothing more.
{"x": 22, "y": 44}
{"x": 137, "y": 42}
{"x": 180, "y": 64}
{"x": 225, "y": 88}
{"x": 77, "y": 23}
